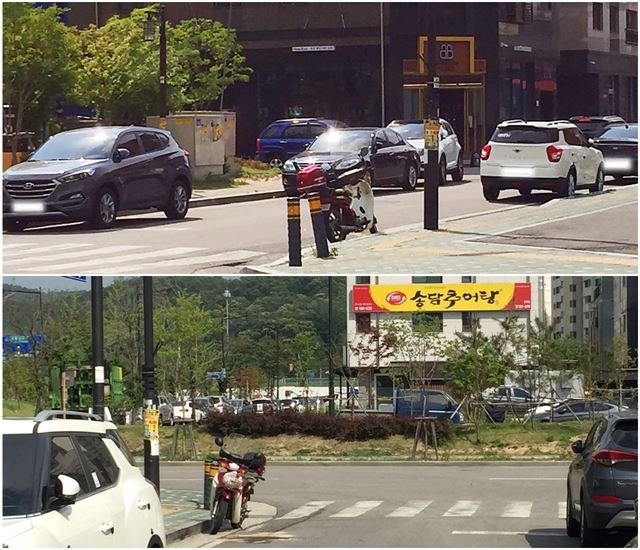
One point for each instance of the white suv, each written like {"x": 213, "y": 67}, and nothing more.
{"x": 539, "y": 155}
{"x": 72, "y": 482}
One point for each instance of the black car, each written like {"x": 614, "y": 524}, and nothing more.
{"x": 594, "y": 126}
{"x": 602, "y": 483}
{"x": 92, "y": 173}
{"x": 390, "y": 159}
{"x": 619, "y": 146}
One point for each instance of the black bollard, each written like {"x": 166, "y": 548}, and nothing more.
{"x": 319, "y": 228}
{"x": 293, "y": 226}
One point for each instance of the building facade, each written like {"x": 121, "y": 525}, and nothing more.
{"x": 371, "y": 305}
{"x": 596, "y": 309}
{"x": 363, "y": 63}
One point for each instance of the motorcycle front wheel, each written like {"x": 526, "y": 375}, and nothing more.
{"x": 332, "y": 221}
{"x": 218, "y": 513}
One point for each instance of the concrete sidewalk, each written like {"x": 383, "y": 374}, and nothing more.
{"x": 252, "y": 190}
{"x": 495, "y": 242}
{"x": 185, "y": 516}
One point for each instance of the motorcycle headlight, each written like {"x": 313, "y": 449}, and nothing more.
{"x": 289, "y": 166}
{"x": 232, "y": 480}
{"x": 346, "y": 164}
{"x": 76, "y": 176}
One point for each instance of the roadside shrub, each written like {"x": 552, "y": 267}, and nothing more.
{"x": 342, "y": 428}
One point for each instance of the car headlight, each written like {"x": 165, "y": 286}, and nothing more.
{"x": 76, "y": 176}
{"x": 289, "y": 166}
{"x": 346, "y": 164}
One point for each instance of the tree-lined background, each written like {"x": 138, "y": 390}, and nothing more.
{"x": 276, "y": 324}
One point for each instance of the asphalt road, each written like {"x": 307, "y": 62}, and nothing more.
{"x": 402, "y": 505}
{"x": 228, "y": 238}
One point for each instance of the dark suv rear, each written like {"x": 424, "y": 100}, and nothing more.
{"x": 92, "y": 173}
{"x": 594, "y": 126}
{"x": 602, "y": 483}
{"x": 285, "y": 138}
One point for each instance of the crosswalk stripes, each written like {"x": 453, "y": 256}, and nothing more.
{"x": 463, "y": 508}
{"x": 520, "y": 509}
{"x": 359, "y": 508}
{"x": 412, "y": 508}
{"x": 307, "y": 509}
{"x": 562, "y": 509}
{"x": 55, "y": 258}
{"x": 12, "y": 253}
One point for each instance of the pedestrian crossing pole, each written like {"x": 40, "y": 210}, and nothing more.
{"x": 97, "y": 347}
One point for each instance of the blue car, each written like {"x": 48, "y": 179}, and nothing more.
{"x": 286, "y": 138}
{"x": 434, "y": 403}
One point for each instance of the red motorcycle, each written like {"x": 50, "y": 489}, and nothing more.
{"x": 346, "y": 197}
{"x": 233, "y": 485}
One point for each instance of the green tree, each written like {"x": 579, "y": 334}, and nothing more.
{"x": 204, "y": 59}
{"x": 119, "y": 69}
{"x": 40, "y": 60}
{"x": 476, "y": 361}
{"x": 304, "y": 348}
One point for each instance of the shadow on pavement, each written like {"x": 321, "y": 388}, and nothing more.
{"x": 549, "y": 538}
{"x": 80, "y": 228}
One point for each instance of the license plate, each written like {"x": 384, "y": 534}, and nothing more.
{"x": 259, "y": 406}
{"x": 617, "y": 164}
{"x": 517, "y": 172}
{"x": 22, "y": 207}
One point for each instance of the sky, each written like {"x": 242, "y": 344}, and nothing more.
{"x": 53, "y": 283}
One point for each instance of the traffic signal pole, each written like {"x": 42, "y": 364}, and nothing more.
{"x": 97, "y": 345}
{"x": 151, "y": 413}
{"x": 432, "y": 176}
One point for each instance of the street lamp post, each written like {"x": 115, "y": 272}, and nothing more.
{"x": 225, "y": 337}
{"x": 150, "y": 35}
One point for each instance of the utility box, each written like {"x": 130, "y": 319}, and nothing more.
{"x": 208, "y": 136}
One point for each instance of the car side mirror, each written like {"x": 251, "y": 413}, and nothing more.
{"x": 219, "y": 441}
{"x": 121, "y": 154}
{"x": 591, "y": 141}
{"x": 66, "y": 492}
{"x": 577, "y": 446}
{"x": 363, "y": 152}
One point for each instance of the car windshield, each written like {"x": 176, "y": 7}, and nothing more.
{"x": 621, "y": 132}
{"x": 409, "y": 131}
{"x": 524, "y": 135}
{"x": 625, "y": 434}
{"x": 19, "y": 474}
{"x": 341, "y": 141}
{"x": 89, "y": 143}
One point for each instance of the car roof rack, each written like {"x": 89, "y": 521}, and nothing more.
{"x": 512, "y": 121}
{"x": 560, "y": 122}
{"x": 70, "y": 415}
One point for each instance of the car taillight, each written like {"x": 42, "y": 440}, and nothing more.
{"x": 554, "y": 154}
{"x": 607, "y": 457}
{"x": 605, "y": 499}
{"x": 486, "y": 151}
{"x": 258, "y": 144}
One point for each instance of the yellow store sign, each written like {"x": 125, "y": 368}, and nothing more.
{"x": 442, "y": 297}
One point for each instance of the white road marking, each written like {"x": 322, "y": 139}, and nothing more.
{"x": 527, "y": 478}
{"x": 103, "y": 263}
{"x": 17, "y": 245}
{"x": 517, "y": 509}
{"x": 307, "y": 509}
{"x": 562, "y": 509}
{"x": 43, "y": 249}
{"x": 511, "y": 533}
{"x": 359, "y": 508}
{"x": 231, "y": 256}
{"x": 462, "y": 509}
{"x": 412, "y": 508}
{"x": 76, "y": 255}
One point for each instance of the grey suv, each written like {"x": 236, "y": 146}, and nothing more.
{"x": 93, "y": 173}
{"x": 602, "y": 483}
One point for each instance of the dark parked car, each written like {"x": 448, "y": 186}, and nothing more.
{"x": 434, "y": 403}
{"x": 92, "y": 173}
{"x": 619, "y": 146}
{"x": 241, "y": 406}
{"x": 593, "y": 126}
{"x": 263, "y": 405}
{"x": 390, "y": 159}
{"x": 285, "y": 138}
{"x": 602, "y": 483}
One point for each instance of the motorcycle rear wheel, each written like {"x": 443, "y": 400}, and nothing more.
{"x": 218, "y": 513}
{"x": 332, "y": 220}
